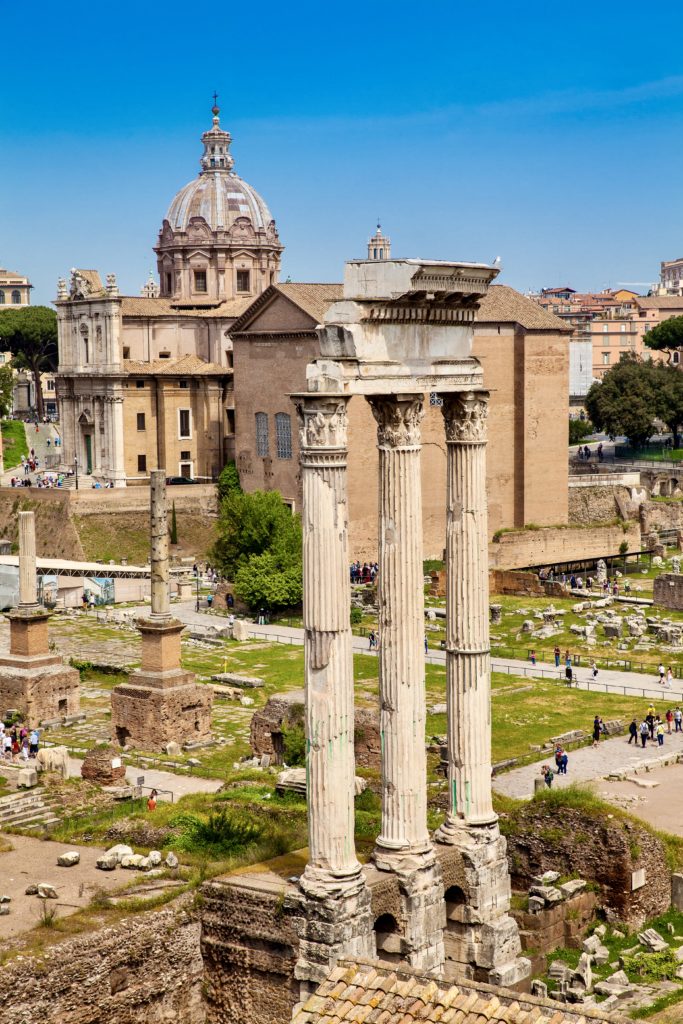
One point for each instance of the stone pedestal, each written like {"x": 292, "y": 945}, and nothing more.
{"x": 161, "y": 703}
{"x": 32, "y": 679}
{"x": 481, "y": 938}
{"x": 336, "y": 917}
{"x": 404, "y": 846}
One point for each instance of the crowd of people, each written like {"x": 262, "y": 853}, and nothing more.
{"x": 18, "y": 742}
{"x": 364, "y": 573}
{"x": 584, "y": 453}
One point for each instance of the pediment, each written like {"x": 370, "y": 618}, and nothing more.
{"x": 199, "y": 254}
{"x": 272, "y": 312}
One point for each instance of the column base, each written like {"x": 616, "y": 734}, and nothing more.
{"x": 481, "y": 939}
{"x": 418, "y": 940}
{"x": 335, "y": 922}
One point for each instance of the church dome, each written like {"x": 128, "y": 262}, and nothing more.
{"x": 218, "y": 195}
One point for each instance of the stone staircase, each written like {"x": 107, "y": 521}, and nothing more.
{"x": 30, "y": 812}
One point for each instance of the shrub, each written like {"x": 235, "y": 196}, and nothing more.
{"x": 578, "y": 429}
{"x": 223, "y": 833}
{"x": 356, "y": 616}
{"x": 294, "y": 745}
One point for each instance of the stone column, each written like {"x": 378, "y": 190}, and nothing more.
{"x": 482, "y": 940}
{"x": 468, "y": 665}
{"x": 403, "y": 846}
{"x": 401, "y": 626}
{"x": 328, "y": 653}
{"x": 116, "y": 442}
{"x": 28, "y": 594}
{"x": 336, "y": 902}
{"x": 158, "y": 516}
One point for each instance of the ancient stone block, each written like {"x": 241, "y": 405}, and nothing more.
{"x": 68, "y": 860}
{"x": 677, "y": 891}
{"x": 103, "y": 766}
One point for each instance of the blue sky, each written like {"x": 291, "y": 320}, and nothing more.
{"x": 549, "y": 136}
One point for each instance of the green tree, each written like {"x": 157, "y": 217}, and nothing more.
{"x": 625, "y": 401}
{"x": 667, "y": 336}
{"x": 669, "y": 388}
{"x": 252, "y": 524}
{"x": 228, "y": 481}
{"x": 30, "y": 333}
{"x": 270, "y": 580}
{"x": 578, "y": 429}
{"x": 6, "y": 389}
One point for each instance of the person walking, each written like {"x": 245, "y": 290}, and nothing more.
{"x": 678, "y": 719}
{"x": 597, "y": 729}
{"x": 660, "y": 733}
{"x": 644, "y": 733}
{"x": 594, "y": 669}
{"x": 633, "y": 733}
{"x": 372, "y": 640}
{"x": 532, "y": 657}
{"x": 669, "y": 678}
{"x": 669, "y": 719}
{"x": 557, "y": 654}
{"x": 661, "y": 673}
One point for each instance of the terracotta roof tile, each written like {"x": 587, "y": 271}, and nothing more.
{"x": 503, "y": 304}
{"x": 660, "y": 302}
{"x": 139, "y": 305}
{"x": 314, "y": 299}
{"x": 186, "y": 366}
{"x": 366, "y": 993}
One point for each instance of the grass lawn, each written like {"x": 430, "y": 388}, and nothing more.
{"x": 14, "y": 443}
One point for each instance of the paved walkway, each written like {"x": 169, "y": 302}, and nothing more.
{"x": 629, "y": 684}
{"x": 589, "y": 763}
{"x": 36, "y": 439}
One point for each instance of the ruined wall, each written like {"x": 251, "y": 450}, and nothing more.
{"x": 589, "y": 505}
{"x": 145, "y": 970}
{"x": 661, "y": 515}
{"x": 546, "y": 546}
{"x": 609, "y": 852}
{"x": 668, "y": 591}
{"x": 554, "y": 927}
{"x": 525, "y": 584}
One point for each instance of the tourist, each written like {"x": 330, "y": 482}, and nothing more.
{"x": 426, "y": 645}
{"x": 557, "y": 654}
{"x": 600, "y": 452}
{"x": 24, "y": 750}
{"x": 372, "y": 640}
{"x": 597, "y": 730}
{"x": 669, "y": 677}
{"x": 633, "y": 732}
{"x": 231, "y": 620}
{"x": 572, "y": 582}
{"x": 561, "y": 760}
{"x": 678, "y": 719}
{"x": 532, "y": 657}
{"x": 660, "y": 733}
{"x": 669, "y": 719}
{"x": 661, "y": 673}
{"x": 650, "y": 719}
{"x": 33, "y": 743}
{"x": 209, "y": 601}
{"x": 7, "y": 746}
{"x": 548, "y": 775}
{"x": 615, "y": 589}
{"x": 152, "y": 801}
{"x": 627, "y": 586}
{"x": 644, "y": 732}
{"x": 568, "y": 673}
{"x": 594, "y": 669}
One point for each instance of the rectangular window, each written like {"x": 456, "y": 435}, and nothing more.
{"x": 139, "y": 383}
{"x": 126, "y": 352}
{"x": 141, "y": 421}
{"x": 186, "y": 456}
{"x": 184, "y": 383}
{"x": 50, "y": 385}
{"x": 200, "y": 280}
{"x": 169, "y": 283}
{"x": 262, "y": 434}
{"x": 243, "y": 282}
{"x": 142, "y": 463}
{"x": 283, "y": 435}
{"x": 184, "y": 423}
{"x": 605, "y": 358}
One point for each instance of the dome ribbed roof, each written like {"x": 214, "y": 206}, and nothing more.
{"x": 220, "y": 197}
{"x": 218, "y": 194}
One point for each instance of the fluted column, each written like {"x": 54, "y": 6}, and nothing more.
{"x": 28, "y": 594}
{"x": 401, "y": 627}
{"x": 328, "y": 652}
{"x": 159, "y": 567}
{"x": 468, "y": 665}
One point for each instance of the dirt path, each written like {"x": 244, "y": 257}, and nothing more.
{"x": 35, "y": 860}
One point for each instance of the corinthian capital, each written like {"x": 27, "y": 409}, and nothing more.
{"x": 398, "y": 419}
{"x": 323, "y": 421}
{"x": 465, "y": 414}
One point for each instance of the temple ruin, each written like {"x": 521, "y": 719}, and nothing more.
{"x": 161, "y": 703}
{"x": 33, "y": 680}
{"x": 436, "y": 904}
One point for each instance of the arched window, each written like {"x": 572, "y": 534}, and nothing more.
{"x": 2, "y": 298}
{"x": 283, "y": 435}
{"x": 16, "y": 297}
{"x": 262, "y": 447}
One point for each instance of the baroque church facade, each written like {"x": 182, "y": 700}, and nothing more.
{"x": 198, "y": 369}
{"x": 146, "y": 381}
